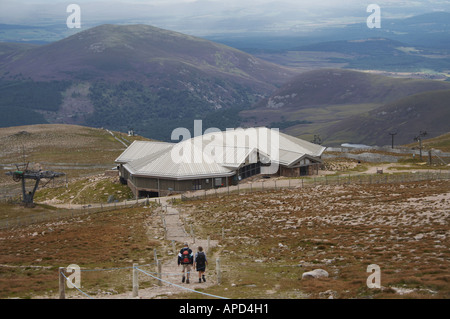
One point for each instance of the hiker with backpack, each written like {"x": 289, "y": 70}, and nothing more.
{"x": 186, "y": 259}
{"x": 200, "y": 263}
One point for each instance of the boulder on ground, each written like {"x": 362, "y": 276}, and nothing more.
{"x": 316, "y": 273}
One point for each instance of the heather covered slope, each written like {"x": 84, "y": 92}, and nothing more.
{"x": 428, "y": 111}
{"x": 140, "y": 52}
{"x": 344, "y": 106}
{"x": 333, "y": 86}
{"x": 131, "y": 76}
{"x": 77, "y": 151}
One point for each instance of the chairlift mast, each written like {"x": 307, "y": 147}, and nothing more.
{"x": 21, "y": 175}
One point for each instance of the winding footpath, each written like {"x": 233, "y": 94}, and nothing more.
{"x": 171, "y": 272}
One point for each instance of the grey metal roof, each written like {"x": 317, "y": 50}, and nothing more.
{"x": 166, "y": 164}
{"x": 214, "y": 154}
{"x": 140, "y": 149}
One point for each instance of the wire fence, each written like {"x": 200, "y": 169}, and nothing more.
{"x": 153, "y": 275}
{"x": 305, "y": 182}
{"x": 257, "y": 186}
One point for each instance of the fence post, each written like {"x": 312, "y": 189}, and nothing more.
{"x": 165, "y": 228}
{"x": 156, "y": 256}
{"x": 158, "y": 265}
{"x": 209, "y": 241}
{"x": 173, "y": 247}
{"x": 218, "y": 271}
{"x": 135, "y": 281}
{"x": 62, "y": 284}
{"x": 223, "y": 233}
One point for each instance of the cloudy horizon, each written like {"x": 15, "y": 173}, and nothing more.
{"x": 206, "y": 17}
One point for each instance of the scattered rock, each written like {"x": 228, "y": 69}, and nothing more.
{"x": 402, "y": 291}
{"x": 330, "y": 294}
{"x": 316, "y": 273}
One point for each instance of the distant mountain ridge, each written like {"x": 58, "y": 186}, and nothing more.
{"x": 340, "y": 86}
{"x": 355, "y": 107}
{"x": 111, "y": 51}
{"x": 426, "y": 111}
{"x": 138, "y": 76}
{"x": 154, "y": 80}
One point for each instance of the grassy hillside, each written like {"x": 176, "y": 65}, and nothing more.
{"x": 138, "y": 76}
{"x": 333, "y": 86}
{"x": 428, "y": 111}
{"x": 75, "y": 150}
{"x": 106, "y": 240}
{"x": 321, "y": 228}
{"x": 327, "y": 102}
{"x": 441, "y": 142}
{"x": 10, "y": 51}
{"x": 313, "y": 228}
{"x": 113, "y": 52}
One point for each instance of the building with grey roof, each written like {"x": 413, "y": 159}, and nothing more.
{"x": 215, "y": 159}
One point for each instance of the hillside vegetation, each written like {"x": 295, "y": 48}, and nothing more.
{"x": 441, "y": 142}
{"x": 333, "y": 86}
{"x": 383, "y": 224}
{"x": 345, "y": 106}
{"x": 74, "y": 150}
{"x": 428, "y": 111}
{"x": 131, "y": 76}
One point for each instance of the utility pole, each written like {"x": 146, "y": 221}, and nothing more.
{"x": 419, "y": 139}
{"x": 392, "y": 134}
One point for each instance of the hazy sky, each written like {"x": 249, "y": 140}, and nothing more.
{"x": 203, "y": 17}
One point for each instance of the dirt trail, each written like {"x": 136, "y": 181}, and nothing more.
{"x": 170, "y": 269}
